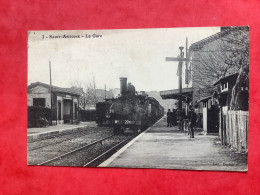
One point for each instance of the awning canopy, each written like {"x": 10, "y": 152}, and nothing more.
{"x": 174, "y": 94}
{"x": 205, "y": 98}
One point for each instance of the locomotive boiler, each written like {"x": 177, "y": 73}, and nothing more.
{"x": 133, "y": 111}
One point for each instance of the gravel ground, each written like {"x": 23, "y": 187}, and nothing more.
{"x": 65, "y": 137}
{"x": 44, "y": 150}
{"x": 80, "y": 158}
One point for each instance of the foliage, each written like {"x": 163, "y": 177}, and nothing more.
{"x": 240, "y": 92}
{"x": 88, "y": 93}
{"x": 229, "y": 54}
{"x": 38, "y": 116}
{"x": 224, "y": 57}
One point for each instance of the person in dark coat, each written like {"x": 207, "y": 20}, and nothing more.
{"x": 192, "y": 121}
{"x": 174, "y": 117}
{"x": 169, "y": 118}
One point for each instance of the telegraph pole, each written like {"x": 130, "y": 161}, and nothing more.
{"x": 105, "y": 92}
{"x": 186, "y": 74}
{"x": 181, "y": 59}
{"x": 50, "y": 89}
{"x": 180, "y": 88}
{"x": 186, "y": 63}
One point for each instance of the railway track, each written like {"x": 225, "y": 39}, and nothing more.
{"x": 54, "y": 140}
{"x": 96, "y": 161}
{"x": 52, "y": 136}
{"x": 90, "y": 154}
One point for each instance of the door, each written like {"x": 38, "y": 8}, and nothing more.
{"x": 213, "y": 119}
{"x": 71, "y": 110}
{"x": 76, "y": 110}
{"x": 59, "y": 110}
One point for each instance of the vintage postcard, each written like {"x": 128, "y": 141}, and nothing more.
{"x": 168, "y": 98}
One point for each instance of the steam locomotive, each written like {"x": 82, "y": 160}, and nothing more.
{"x": 129, "y": 111}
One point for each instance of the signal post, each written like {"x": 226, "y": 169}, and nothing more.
{"x": 179, "y": 59}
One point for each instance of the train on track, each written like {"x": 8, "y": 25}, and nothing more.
{"x": 132, "y": 110}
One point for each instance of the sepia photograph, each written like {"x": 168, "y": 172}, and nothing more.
{"x": 164, "y": 98}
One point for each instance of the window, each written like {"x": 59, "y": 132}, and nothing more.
{"x": 39, "y": 102}
{"x": 209, "y": 104}
{"x": 224, "y": 87}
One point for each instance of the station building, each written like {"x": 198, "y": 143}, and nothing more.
{"x": 65, "y": 101}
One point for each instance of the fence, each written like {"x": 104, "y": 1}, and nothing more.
{"x": 236, "y": 133}
{"x": 87, "y": 115}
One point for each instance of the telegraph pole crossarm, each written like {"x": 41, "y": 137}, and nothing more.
{"x": 179, "y": 59}
{"x": 186, "y": 60}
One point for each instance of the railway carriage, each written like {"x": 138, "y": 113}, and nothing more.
{"x": 102, "y": 113}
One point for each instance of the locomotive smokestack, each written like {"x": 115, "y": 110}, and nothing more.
{"x": 123, "y": 85}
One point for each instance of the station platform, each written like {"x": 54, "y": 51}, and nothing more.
{"x": 168, "y": 148}
{"x": 36, "y": 133}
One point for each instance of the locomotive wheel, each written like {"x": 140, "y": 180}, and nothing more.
{"x": 143, "y": 126}
{"x": 135, "y": 129}
{"x": 116, "y": 130}
{"x": 122, "y": 130}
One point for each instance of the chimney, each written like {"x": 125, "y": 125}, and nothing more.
{"x": 123, "y": 86}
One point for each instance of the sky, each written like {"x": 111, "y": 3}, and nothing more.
{"x": 138, "y": 54}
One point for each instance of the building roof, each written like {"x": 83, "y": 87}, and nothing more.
{"x": 174, "y": 93}
{"x": 205, "y": 98}
{"x": 71, "y": 91}
{"x": 198, "y": 45}
{"x": 227, "y": 78}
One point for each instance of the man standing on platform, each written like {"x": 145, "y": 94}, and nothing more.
{"x": 192, "y": 121}
{"x": 174, "y": 117}
{"x": 169, "y": 124}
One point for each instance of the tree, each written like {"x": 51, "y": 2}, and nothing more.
{"x": 226, "y": 53}
{"x": 216, "y": 59}
{"x": 88, "y": 92}
{"x": 240, "y": 92}
{"x": 80, "y": 86}
{"x": 91, "y": 91}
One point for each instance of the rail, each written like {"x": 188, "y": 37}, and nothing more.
{"x": 68, "y": 153}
